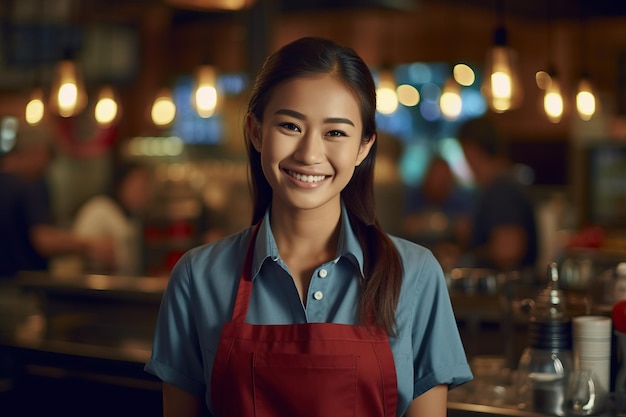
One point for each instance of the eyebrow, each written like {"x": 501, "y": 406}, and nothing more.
{"x": 301, "y": 116}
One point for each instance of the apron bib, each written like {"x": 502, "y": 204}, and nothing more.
{"x": 300, "y": 370}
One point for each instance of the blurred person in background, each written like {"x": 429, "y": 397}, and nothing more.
{"x": 28, "y": 236}
{"x": 504, "y": 228}
{"x": 117, "y": 216}
{"x": 437, "y": 213}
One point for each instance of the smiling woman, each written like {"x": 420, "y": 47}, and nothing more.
{"x": 338, "y": 317}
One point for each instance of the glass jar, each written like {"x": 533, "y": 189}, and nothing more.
{"x": 544, "y": 366}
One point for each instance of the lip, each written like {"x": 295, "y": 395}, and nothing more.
{"x": 310, "y": 182}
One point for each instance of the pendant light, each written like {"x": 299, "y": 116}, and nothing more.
{"x": 107, "y": 109}
{"x": 553, "y": 103}
{"x": 586, "y": 105}
{"x": 501, "y": 83}
{"x": 204, "y": 96}
{"x": 386, "y": 95}
{"x": 35, "y": 108}
{"x": 450, "y": 101}
{"x": 386, "y": 88}
{"x": 163, "y": 108}
{"x": 585, "y": 98}
{"x": 67, "y": 95}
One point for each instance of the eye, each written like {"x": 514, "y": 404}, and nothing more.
{"x": 289, "y": 126}
{"x": 336, "y": 133}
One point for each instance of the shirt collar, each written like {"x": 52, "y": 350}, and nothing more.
{"x": 265, "y": 246}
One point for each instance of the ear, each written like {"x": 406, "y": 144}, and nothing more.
{"x": 253, "y": 129}
{"x": 364, "y": 149}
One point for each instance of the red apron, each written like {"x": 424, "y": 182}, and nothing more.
{"x": 300, "y": 370}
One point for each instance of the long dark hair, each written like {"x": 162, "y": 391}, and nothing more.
{"x": 306, "y": 57}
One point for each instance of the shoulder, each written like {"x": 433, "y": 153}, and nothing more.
{"x": 99, "y": 203}
{"x": 408, "y": 249}
{"x": 207, "y": 276}
{"x": 224, "y": 256}
{"x": 416, "y": 259}
{"x": 99, "y": 212}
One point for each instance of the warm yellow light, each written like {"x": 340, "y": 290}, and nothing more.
{"x": 67, "y": 94}
{"x": 387, "y": 100}
{"x": 553, "y": 102}
{"x": 450, "y": 101}
{"x": 502, "y": 87}
{"x": 204, "y": 99}
{"x": 386, "y": 97}
{"x": 464, "y": 74}
{"x": 585, "y": 100}
{"x": 163, "y": 109}
{"x": 35, "y": 108}
{"x": 408, "y": 95}
{"x": 106, "y": 109}
{"x": 67, "y": 98}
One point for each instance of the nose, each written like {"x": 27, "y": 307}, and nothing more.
{"x": 310, "y": 149}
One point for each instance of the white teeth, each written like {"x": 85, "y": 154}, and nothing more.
{"x": 306, "y": 178}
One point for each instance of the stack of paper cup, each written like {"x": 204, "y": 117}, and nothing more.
{"x": 592, "y": 346}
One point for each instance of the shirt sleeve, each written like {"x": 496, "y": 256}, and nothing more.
{"x": 176, "y": 355}
{"x": 438, "y": 353}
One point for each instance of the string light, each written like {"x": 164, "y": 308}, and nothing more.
{"x": 68, "y": 96}
{"x": 553, "y": 99}
{"x": 204, "y": 97}
{"x": 107, "y": 107}
{"x": 501, "y": 85}
{"x": 163, "y": 109}
{"x": 450, "y": 101}
{"x": 585, "y": 99}
{"x": 35, "y": 108}
{"x": 386, "y": 96}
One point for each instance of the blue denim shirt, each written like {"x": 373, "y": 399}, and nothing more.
{"x": 201, "y": 291}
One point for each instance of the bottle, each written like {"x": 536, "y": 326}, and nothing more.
{"x": 547, "y": 360}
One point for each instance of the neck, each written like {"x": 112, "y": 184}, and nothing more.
{"x": 307, "y": 233}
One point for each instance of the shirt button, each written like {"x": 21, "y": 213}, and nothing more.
{"x": 322, "y": 273}
{"x": 318, "y": 295}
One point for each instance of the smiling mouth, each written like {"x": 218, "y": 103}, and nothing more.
{"x": 306, "y": 178}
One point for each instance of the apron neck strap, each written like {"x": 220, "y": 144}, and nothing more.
{"x": 240, "y": 311}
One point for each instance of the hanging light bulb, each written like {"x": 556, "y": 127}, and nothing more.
{"x": 67, "y": 95}
{"x": 163, "y": 108}
{"x": 386, "y": 96}
{"x": 585, "y": 99}
{"x": 35, "y": 108}
{"x": 501, "y": 84}
{"x": 553, "y": 99}
{"x": 204, "y": 97}
{"x": 450, "y": 101}
{"x": 107, "y": 108}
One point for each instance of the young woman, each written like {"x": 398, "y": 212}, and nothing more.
{"x": 313, "y": 311}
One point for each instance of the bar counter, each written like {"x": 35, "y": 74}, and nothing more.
{"x": 78, "y": 344}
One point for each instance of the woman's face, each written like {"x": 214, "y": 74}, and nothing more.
{"x": 310, "y": 142}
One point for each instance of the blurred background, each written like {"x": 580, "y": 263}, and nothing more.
{"x": 102, "y": 84}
